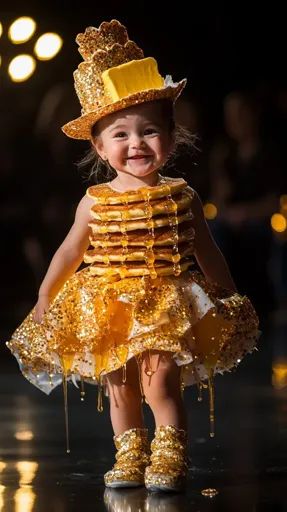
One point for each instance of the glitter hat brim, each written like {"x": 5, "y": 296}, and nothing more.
{"x": 80, "y": 128}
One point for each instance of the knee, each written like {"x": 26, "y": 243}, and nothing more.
{"x": 126, "y": 391}
{"x": 161, "y": 387}
{"x": 122, "y": 393}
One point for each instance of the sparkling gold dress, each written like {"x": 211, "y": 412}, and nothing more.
{"x": 138, "y": 292}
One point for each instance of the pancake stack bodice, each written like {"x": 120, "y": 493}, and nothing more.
{"x": 143, "y": 232}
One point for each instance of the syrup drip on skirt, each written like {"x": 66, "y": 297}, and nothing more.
{"x": 96, "y": 324}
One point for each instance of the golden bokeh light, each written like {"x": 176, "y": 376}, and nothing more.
{"x": 21, "y": 68}
{"x": 24, "y": 435}
{"x": 210, "y": 211}
{"x": 24, "y": 499}
{"x": 47, "y": 46}
{"x": 279, "y": 375}
{"x": 27, "y": 470}
{"x": 278, "y": 222}
{"x": 21, "y": 29}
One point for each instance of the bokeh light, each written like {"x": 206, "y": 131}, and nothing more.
{"x": 278, "y": 222}
{"x": 210, "y": 211}
{"x": 24, "y": 435}
{"x": 21, "y": 68}
{"x": 48, "y": 45}
{"x": 21, "y": 30}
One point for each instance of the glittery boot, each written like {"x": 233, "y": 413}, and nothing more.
{"x": 168, "y": 469}
{"x": 132, "y": 457}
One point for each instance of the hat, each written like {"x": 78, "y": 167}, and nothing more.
{"x": 114, "y": 75}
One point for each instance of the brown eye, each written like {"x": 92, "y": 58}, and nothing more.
{"x": 120, "y": 135}
{"x": 150, "y": 131}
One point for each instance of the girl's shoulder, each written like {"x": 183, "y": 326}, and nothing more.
{"x": 181, "y": 182}
{"x": 99, "y": 194}
{"x": 84, "y": 205}
{"x": 95, "y": 190}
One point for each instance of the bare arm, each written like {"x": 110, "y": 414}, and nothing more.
{"x": 67, "y": 258}
{"x": 207, "y": 253}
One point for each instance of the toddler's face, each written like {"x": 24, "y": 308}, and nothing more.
{"x": 136, "y": 140}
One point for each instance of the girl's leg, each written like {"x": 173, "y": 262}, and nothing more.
{"x": 130, "y": 437}
{"x": 168, "y": 468}
{"x": 162, "y": 388}
{"x": 125, "y": 398}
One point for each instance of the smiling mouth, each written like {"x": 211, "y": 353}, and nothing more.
{"x": 138, "y": 157}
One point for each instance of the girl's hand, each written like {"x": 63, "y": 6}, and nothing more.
{"x": 41, "y": 308}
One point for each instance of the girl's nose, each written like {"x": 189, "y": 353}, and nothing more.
{"x": 136, "y": 141}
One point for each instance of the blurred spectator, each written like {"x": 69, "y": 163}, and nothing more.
{"x": 245, "y": 183}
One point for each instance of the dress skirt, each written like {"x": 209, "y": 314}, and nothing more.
{"x": 96, "y": 324}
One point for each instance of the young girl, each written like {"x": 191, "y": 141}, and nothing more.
{"x": 137, "y": 318}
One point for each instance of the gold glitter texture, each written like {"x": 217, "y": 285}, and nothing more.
{"x": 168, "y": 469}
{"x": 108, "y": 48}
{"x": 96, "y": 324}
{"x": 132, "y": 457}
{"x": 101, "y": 38}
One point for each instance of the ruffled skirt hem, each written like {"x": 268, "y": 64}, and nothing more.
{"x": 95, "y": 325}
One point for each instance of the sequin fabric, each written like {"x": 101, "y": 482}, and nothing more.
{"x": 93, "y": 327}
{"x": 168, "y": 468}
{"x": 132, "y": 457}
{"x": 104, "y": 48}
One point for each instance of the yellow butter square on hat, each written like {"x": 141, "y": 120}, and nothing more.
{"x": 131, "y": 78}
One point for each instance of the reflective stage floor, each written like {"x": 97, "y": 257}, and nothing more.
{"x": 246, "y": 461}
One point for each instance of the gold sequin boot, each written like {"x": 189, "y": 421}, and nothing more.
{"x": 132, "y": 457}
{"x": 168, "y": 469}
